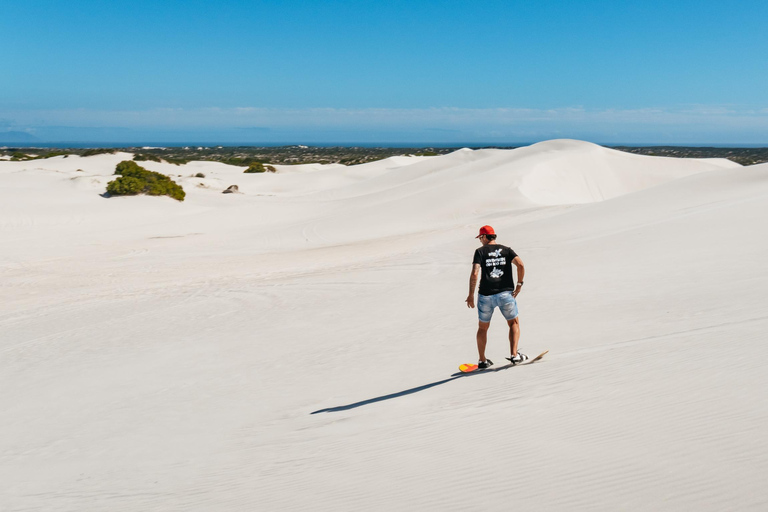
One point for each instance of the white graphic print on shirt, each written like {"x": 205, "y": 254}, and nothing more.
{"x": 494, "y": 261}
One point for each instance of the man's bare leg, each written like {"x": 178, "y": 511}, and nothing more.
{"x": 482, "y": 338}
{"x": 514, "y": 334}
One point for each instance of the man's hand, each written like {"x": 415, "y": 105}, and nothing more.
{"x": 470, "y": 301}
{"x": 517, "y": 291}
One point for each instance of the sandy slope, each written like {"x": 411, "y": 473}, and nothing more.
{"x": 157, "y": 355}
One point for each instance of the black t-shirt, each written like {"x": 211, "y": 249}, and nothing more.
{"x": 495, "y": 262}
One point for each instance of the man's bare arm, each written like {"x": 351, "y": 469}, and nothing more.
{"x": 473, "y": 284}
{"x": 520, "y": 274}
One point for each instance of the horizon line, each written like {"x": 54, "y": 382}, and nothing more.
{"x": 348, "y": 144}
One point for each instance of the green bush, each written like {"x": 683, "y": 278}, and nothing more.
{"x": 125, "y": 186}
{"x": 129, "y": 168}
{"x": 259, "y": 167}
{"x": 199, "y": 175}
{"x": 256, "y": 167}
{"x": 135, "y": 180}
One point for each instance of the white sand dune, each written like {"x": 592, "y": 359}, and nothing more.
{"x": 294, "y": 347}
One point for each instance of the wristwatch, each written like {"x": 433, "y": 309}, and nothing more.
{"x": 520, "y": 283}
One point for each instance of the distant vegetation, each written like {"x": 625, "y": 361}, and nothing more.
{"x": 743, "y": 156}
{"x": 289, "y": 155}
{"x": 94, "y": 152}
{"x": 245, "y": 156}
{"x": 136, "y": 180}
{"x": 150, "y": 157}
{"x": 18, "y": 156}
{"x": 144, "y": 157}
{"x": 176, "y": 161}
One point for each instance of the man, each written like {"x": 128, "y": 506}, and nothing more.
{"x": 493, "y": 263}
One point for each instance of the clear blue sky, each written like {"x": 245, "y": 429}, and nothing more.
{"x": 389, "y": 71}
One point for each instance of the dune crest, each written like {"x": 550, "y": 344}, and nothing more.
{"x": 548, "y": 173}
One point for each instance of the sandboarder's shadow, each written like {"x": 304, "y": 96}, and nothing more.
{"x": 455, "y": 376}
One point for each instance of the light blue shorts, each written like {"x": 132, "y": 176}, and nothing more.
{"x": 504, "y": 301}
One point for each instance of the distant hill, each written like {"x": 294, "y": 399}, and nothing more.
{"x": 16, "y": 137}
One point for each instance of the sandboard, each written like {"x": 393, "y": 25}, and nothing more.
{"x": 469, "y": 368}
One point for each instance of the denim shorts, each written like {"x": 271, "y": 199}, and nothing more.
{"x": 504, "y": 301}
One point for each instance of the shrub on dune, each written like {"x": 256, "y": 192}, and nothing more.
{"x": 125, "y": 186}
{"x": 136, "y": 180}
{"x": 129, "y": 168}
{"x": 259, "y": 167}
{"x": 255, "y": 167}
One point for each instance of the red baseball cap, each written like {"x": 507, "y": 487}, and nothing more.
{"x": 486, "y": 230}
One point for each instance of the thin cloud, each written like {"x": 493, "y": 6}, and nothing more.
{"x": 243, "y": 117}
{"x": 705, "y": 122}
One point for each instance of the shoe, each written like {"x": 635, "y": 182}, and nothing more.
{"x": 485, "y": 364}
{"x": 519, "y": 358}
